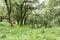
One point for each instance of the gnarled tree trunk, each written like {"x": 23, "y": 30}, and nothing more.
{"x": 9, "y": 8}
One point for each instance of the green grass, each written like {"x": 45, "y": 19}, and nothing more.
{"x": 26, "y": 33}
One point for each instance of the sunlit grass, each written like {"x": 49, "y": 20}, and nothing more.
{"x": 26, "y": 33}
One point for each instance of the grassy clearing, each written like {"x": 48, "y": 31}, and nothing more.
{"x": 26, "y": 33}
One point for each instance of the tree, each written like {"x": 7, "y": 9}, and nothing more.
{"x": 9, "y": 8}
{"x": 22, "y": 10}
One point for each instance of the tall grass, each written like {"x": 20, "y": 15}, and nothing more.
{"x": 26, "y": 33}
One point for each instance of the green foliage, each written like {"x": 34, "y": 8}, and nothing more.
{"x": 44, "y": 14}
{"x": 41, "y": 22}
{"x": 26, "y": 33}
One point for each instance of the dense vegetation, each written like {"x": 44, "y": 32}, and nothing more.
{"x": 29, "y": 19}
{"x": 31, "y": 12}
{"x": 26, "y": 33}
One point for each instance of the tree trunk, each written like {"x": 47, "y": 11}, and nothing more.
{"x": 0, "y": 18}
{"x": 18, "y": 22}
{"x": 21, "y": 23}
{"x": 9, "y": 8}
{"x": 10, "y": 21}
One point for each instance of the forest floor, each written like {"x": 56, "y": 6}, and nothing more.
{"x": 27, "y": 33}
